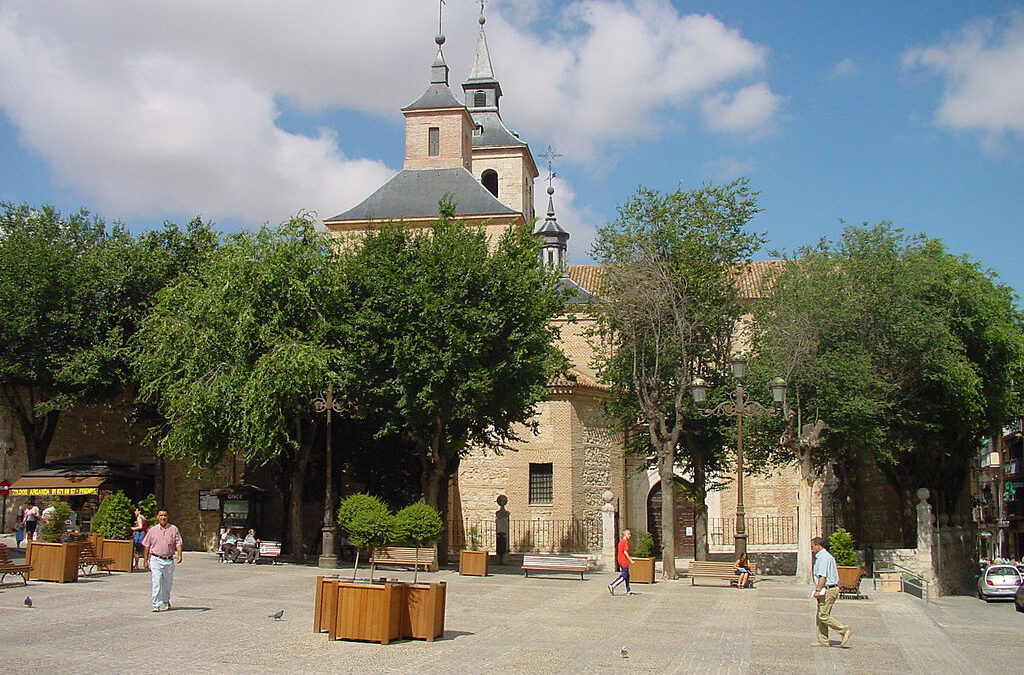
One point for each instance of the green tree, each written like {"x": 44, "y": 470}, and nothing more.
{"x": 672, "y": 304}
{"x": 840, "y": 545}
{"x": 233, "y": 354}
{"x": 905, "y": 353}
{"x": 57, "y": 523}
{"x": 114, "y": 517}
{"x": 448, "y": 343}
{"x": 418, "y": 524}
{"x": 73, "y": 291}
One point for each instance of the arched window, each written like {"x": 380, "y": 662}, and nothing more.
{"x": 490, "y": 181}
{"x": 479, "y": 99}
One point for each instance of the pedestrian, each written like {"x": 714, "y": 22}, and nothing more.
{"x": 139, "y": 528}
{"x": 30, "y": 516}
{"x": 624, "y": 560}
{"x": 826, "y": 592}
{"x": 161, "y": 548}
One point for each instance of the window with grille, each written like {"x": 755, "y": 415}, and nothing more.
{"x": 479, "y": 99}
{"x": 434, "y": 141}
{"x": 541, "y": 484}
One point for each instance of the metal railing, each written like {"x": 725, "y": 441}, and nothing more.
{"x": 572, "y": 535}
{"x": 910, "y": 582}
{"x": 766, "y": 530}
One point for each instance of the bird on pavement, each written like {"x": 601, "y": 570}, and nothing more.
{"x": 28, "y": 601}
{"x": 276, "y": 616}
{"x": 624, "y": 652}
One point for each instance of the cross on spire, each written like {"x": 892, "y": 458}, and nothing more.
{"x": 440, "y": 14}
{"x": 550, "y": 156}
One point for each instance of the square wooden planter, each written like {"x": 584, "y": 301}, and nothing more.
{"x": 473, "y": 563}
{"x": 325, "y": 608}
{"x": 53, "y": 562}
{"x": 423, "y": 611}
{"x": 371, "y": 612}
{"x": 642, "y": 571}
{"x": 120, "y": 551}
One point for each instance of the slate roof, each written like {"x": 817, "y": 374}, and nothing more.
{"x": 436, "y": 96}
{"x": 752, "y": 282}
{"x": 415, "y": 193}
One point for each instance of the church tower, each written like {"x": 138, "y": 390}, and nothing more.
{"x": 500, "y": 161}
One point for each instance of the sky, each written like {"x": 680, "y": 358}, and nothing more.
{"x": 249, "y": 113}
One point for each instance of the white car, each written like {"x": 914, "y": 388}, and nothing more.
{"x": 999, "y": 581}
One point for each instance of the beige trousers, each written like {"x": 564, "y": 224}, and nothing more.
{"x": 825, "y": 620}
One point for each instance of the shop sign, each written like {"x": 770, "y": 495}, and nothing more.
{"x": 5, "y": 487}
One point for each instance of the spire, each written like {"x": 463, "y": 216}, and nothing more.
{"x": 481, "y": 68}
{"x": 481, "y": 87}
{"x": 439, "y": 69}
{"x": 554, "y": 244}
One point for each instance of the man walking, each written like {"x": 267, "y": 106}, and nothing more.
{"x": 826, "y": 592}
{"x": 623, "y": 558}
{"x": 161, "y": 549}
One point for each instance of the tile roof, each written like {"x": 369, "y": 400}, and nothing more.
{"x": 751, "y": 282}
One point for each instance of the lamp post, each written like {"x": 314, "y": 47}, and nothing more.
{"x": 738, "y": 406}
{"x": 326, "y": 403}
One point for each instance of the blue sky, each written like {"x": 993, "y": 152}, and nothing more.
{"x": 246, "y": 113}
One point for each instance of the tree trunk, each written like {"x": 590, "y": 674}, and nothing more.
{"x": 700, "y": 507}
{"x": 805, "y": 493}
{"x": 296, "y": 538}
{"x": 666, "y": 471}
{"x": 36, "y": 430}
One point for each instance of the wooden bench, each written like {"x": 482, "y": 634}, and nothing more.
{"x": 398, "y": 555}
{"x": 711, "y": 569}
{"x": 87, "y": 558}
{"x": 271, "y": 550}
{"x": 8, "y": 566}
{"x": 556, "y": 563}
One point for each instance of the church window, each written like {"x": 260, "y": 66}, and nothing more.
{"x": 479, "y": 99}
{"x": 541, "y": 491}
{"x": 434, "y": 141}
{"x": 490, "y": 180}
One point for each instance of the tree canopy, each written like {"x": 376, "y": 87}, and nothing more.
{"x": 905, "y": 351}
{"x": 671, "y": 261}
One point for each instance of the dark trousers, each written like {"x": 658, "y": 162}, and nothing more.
{"x": 623, "y": 577}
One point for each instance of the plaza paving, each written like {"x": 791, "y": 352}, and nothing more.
{"x": 503, "y": 623}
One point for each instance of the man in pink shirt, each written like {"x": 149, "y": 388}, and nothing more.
{"x": 161, "y": 550}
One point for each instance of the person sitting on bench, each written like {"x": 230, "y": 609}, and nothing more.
{"x": 743, "y": 571}
{"x": 251, "y": 547}
{"x": 229, "y": 546}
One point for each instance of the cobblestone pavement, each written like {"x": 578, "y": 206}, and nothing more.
{"x": 503, "y": 623}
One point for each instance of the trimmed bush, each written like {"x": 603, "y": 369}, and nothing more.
{"x": 418, "y": 524}
{"x": 58, "y": 522}
{"x": 114, "y": 517}
{"x": 840, "y": 545}
{"x": 642, "y": 544}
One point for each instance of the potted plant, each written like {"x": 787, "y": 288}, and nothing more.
{"x": 473, "y": 560}
{"x": 840, "y": 545}
{"x": 113, "y": 522}
{"x": 642, "y": 553}
{"x": 368, "y": 523}
{"x": 424, "y": 604}
{"x": 51, "y": 558}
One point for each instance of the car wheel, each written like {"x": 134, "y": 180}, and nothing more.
{"x": 980, "y": 596}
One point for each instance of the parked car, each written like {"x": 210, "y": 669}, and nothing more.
{"x": 999, "y": 581}
{"x": 1018, "y": 599}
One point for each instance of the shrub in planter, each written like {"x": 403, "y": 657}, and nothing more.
{"x": 840, "y": 545}
{"x": 418, "y": 524}
{"x": 368, "y": 523}
{"x": 641, "y": 547}
{"x": 58, "y": 522}
{"x": 114, "y": 517}
{"x": 642, "y": 544}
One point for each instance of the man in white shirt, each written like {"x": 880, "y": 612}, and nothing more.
{"x": 826, "y": 592}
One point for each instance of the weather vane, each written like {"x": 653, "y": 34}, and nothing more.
{"x": 550, "y": 156}
{"x": 482, "y": 3}
{"x": 440, "y": 13}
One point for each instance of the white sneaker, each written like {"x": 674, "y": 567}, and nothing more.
{"x": 611, "y": 589}
{"x": 156, "y": 608}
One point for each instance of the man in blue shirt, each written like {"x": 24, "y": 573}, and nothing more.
{"x": 826, "y": 592}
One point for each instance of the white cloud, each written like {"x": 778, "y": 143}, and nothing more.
{"x": 983, "y": 68}
{"x": 750, "y": 110}
{"x": 145, "y": 108}
{"x": 844, "y": 68}
{"x": 730, "y": 168}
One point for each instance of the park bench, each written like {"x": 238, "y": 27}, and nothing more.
{"x": 87, "y": 558}
{"x": 399, "y": 555}
{"x": 711, "y": 569}
{"x": 271, "y": 550}
{"x": 8, "y": 566}
{"x": 556, "y": 563}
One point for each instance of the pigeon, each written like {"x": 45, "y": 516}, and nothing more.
{"x": 624, "y": 652}
{"x": 276, "y": 616}
{"x": 28, "y": 601}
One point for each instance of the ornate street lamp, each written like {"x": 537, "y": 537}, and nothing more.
{"x": 326, "y": 403}
{"x": 738, "y": 406}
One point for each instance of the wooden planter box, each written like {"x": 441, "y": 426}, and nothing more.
{"x": 371, "y": 612}
{"x": 423, "y": 611}
{"x": 325, "y": 608}
{"x": 121, "y": 551}
{"x": 642, "y": 571}
{"x": 473, "y": 563}
{"x": 849, "y": 579}
{"x": 53, "y": 562}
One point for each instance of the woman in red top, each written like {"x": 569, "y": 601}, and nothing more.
{"x": 624, "y": 560}
{"x": 139, "y": 530}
